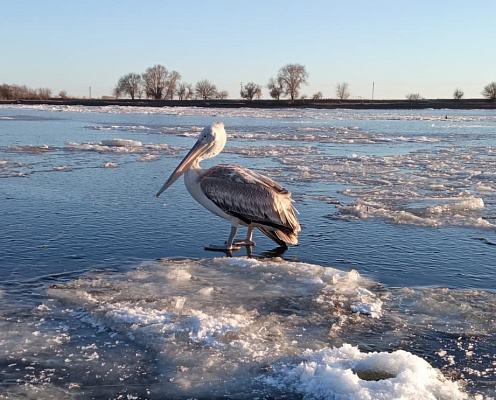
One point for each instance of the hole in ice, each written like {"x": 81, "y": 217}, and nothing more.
{"x": 374, "y": 375}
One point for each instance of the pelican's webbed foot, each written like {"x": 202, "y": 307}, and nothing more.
{"x": 244, "y": 243}
{"x": 223, "y": 247}
{"x": 227, "y": 246}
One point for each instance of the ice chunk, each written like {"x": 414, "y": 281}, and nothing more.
{"x": 348, "y": 373}
{"x": 148, "y": 157}
{"x": 367, "y": 304}
{"x": 121, "y": 143}
{"x": 469, "y": 203}
{"x": 138, "y": 316}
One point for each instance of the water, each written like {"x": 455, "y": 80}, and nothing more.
{"x": 108, "y": 291}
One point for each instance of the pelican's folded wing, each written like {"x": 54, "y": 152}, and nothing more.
{"x": 251, "y": 197}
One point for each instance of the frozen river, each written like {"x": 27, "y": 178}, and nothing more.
{"x": 108, "y": 291}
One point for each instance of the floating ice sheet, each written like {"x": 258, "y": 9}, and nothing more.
{"x": 429, "y": 188}
{"x": 42, "y": 158}
{"x": 117, "y": 145}
{"x": 242, "y": 328}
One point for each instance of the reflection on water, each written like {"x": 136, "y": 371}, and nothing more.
{"x": 267, "y": 254}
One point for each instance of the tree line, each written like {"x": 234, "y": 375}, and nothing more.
{"x": 489, "y": 92}
{"x": 15, "y": 92}
{"x": 159, "y": 83}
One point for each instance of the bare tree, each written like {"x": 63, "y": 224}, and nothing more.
{"x": 317, "y": 96}
{"x": 275, "y": 88}
{"x": 205, "y": 89}
{"x": 185, "y": 91}
{"x": 117, "y": 91}
{"x": 342, "y": 91}
{"x": 43, "y": 93}
{"x": 291, "y": 77}
{"x": 171, "y": 84}
{"x": 458, "y": 94}
{"x": 11, "y": 92}
{"x": 130, "y": 84}
{"x": 63, "y": 94}
{"x": 5, "y": 92}
{"x": 251, "y": 90}
{"x": 23, "y": 92}
{"x": 155, "y": 81}
{"x": 414, "y": 96}
{"x": 489, "y": 91}
{"x": 223, "y": 94}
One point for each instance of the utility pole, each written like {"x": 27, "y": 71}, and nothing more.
{"x": 373, "y": 87}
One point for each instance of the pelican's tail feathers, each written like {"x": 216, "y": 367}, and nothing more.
{"x": 279, "y": 236}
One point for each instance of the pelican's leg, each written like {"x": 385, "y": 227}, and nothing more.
{"x": 232, "y": 235}
{"x": 248, "y": 241}
{"x": 229, "y": 245}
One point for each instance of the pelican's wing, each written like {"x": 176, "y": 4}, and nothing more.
{"x": 253, "y": 198}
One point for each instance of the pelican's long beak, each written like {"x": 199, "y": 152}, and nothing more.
{"x": 185, "y": 164}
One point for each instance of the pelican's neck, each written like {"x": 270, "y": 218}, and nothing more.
{"x": 196, "y": 165}
{"x": 192, "y": 178}
{"x": 194, "y": 172}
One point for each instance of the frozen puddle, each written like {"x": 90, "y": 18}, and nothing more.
{"x": 229, "y": 328}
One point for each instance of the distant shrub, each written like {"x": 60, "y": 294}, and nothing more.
{"x": 414, "y": 96}
{"x": 458, "y": 94}
{"x": 489, "y": 91}
{"x": 251, "y": 90}
{"x": 317, "y": 96}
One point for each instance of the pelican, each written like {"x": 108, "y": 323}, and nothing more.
{"x": 241, "y": 196}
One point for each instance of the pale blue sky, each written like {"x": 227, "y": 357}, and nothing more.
{"x": 426, "y": 47}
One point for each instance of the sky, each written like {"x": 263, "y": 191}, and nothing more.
{"x": 394, "y": 47}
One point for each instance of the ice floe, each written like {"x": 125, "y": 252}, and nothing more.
{"x": 240, "y": 327}
{"x": 119, "y": 146}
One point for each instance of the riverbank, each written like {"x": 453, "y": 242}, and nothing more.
{"x": 465, "y": 104}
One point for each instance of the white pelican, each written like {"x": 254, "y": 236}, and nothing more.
{"x": 241, "y": 196}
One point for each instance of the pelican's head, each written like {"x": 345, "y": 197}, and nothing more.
{"x": 211, "y": 141}
{"x": 213, "y": 138}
